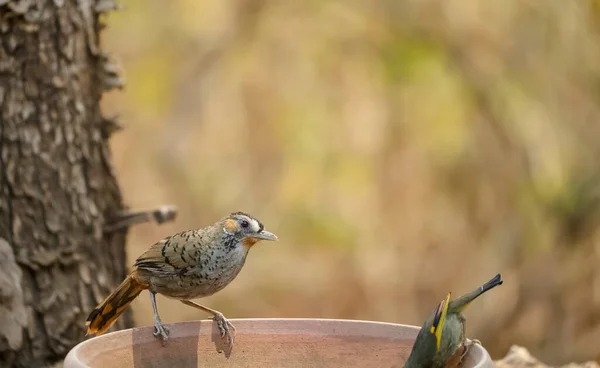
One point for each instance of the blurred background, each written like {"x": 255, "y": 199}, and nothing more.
{"x": 399, "y": 149}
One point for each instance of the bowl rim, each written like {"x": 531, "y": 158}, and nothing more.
{"x": 288, "y": 326}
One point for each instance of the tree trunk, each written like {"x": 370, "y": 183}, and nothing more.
{"x": 57, "y": 185}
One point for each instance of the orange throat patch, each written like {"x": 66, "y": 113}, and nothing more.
{"x": 249, "y": 241}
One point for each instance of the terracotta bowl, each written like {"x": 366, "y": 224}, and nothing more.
{"x": 279, "y": 343}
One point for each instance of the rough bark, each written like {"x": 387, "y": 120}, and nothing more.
{"x": 57, "y": 185}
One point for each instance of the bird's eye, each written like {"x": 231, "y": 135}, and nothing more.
{"x": 245, "y": 224}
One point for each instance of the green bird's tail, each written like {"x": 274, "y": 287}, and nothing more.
{"x": 463, "y": 302}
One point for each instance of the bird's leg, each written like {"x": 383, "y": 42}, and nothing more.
{"x": 160, "y": 330}
{"x": 225, "y": 327}
{"x": 465, "y": 343}
{"x": 463, "y": 322}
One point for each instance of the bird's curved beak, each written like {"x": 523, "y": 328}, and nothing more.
{"x": 265, "y": 235}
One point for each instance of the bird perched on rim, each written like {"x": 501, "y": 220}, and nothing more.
{"x": 188, "y": 265}
{"x": 441, "y": 341}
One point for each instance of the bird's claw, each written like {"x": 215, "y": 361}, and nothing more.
{"x": 467, "y": 345}
{"x": 464, "y": 352}
{"x": 226, "y": 328}
{"x": 161, "y": 331}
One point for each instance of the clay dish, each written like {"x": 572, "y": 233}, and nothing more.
{"x": 282, "y": 343}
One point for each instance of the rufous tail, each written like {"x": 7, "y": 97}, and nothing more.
{"x": 105, "y": 314}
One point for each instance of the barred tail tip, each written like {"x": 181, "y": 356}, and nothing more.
{"x": 105, "y": 314}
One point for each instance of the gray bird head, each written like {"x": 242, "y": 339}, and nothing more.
{"x": 247, "y": 228}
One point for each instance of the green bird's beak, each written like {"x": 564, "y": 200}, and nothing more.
{"x": 464, "y": 301}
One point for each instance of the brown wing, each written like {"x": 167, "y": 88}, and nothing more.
{"x": 168, "y": 255}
